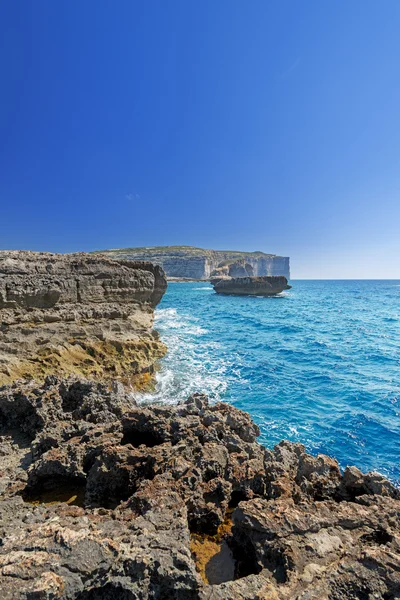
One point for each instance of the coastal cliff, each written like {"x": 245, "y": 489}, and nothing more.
{"x": 77, "y": 314}
{"x": 103, "y": 499}
{"x": 187, "y": 262}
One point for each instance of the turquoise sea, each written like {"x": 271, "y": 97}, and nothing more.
{"x": 319, "y": 364}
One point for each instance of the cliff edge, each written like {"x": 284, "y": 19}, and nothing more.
{"x": 77, "y": 314}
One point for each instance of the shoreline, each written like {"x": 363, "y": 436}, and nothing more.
{"x": 208, "y": 333}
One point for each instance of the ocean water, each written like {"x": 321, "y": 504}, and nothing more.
{"x": 319, "y": 364}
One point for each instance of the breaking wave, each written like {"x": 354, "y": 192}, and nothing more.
{"x": 189, "y": 366}
{"x": 320, "y": 367}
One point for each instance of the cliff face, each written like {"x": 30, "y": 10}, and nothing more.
{"x": 197, "y": 263}
{"x": 238, "y": 268}
{"x": 102, "y": 499}
{"x": 80, "y": 314}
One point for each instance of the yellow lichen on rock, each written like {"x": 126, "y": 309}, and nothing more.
{"x": 206, "y": 548}
{"x": 101, "y": 360}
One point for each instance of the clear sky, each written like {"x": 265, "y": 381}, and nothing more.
{"x": 267, "y": 125}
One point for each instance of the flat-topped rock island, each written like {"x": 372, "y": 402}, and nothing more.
{"x": 250, "y": 286}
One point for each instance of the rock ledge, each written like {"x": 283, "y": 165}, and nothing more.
{"x": 77, "y": 314}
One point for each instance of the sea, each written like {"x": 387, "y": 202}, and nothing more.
{"x": 319, "y": 364}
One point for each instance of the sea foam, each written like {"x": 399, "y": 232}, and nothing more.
{"x": 320, "y": 366}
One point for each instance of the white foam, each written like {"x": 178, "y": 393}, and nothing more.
{"x": 188, "y": 367}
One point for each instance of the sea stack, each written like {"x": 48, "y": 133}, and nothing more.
{"x": 250, "y": 286}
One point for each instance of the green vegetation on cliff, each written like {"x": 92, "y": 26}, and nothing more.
{"x": 187, "y": 250}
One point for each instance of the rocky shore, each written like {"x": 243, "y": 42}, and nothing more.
{"x": 105, "y": 499}
{"x": 77, "y": 314}
{"x": 101, "y": 498}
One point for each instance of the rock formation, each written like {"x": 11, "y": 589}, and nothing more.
{"x": 250, "y": 286}
{"x": 239, "y": 268}
{"x": 187, "y": 262}
{"x": 103, "y": 499}
{"x": 78, "y": 313}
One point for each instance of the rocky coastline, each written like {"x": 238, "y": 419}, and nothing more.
{"x": 102, "y": 498}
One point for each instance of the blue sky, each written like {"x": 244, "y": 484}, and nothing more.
{"x": 260, "y": 125}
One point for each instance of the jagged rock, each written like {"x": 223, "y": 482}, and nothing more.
{"x": 77, "y": 314}
{"x": 250, "y": 286}
{"x": 101, "y": 498}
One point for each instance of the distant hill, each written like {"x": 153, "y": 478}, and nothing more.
{"x": 188, "y": 262}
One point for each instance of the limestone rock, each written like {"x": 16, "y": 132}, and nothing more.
{"x": 100, "y": 499}
{"x": 238, "y": 268}
{"x": 77, "y": 313}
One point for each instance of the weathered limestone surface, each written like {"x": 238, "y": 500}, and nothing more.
{"x": 187, "y": 262}
{"x": 250, "y": 286}
{"x": 77, "y": 313}
{"x": 100, "y": 498}
{"x": 239, "y": 268}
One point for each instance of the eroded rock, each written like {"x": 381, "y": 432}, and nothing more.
{"x": 101, "y": 498}
{"x": 77, "y": 314}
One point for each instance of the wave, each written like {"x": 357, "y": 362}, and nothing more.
{"x": 298, "y": 367}
{"x": 189, "y": 366}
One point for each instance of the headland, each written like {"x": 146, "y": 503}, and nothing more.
{"x": 190, "y": 263}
